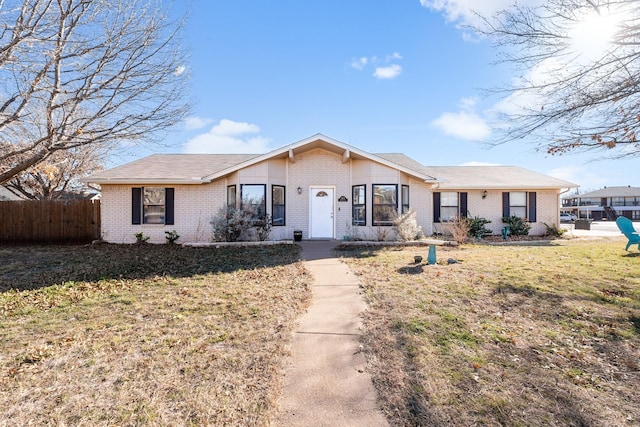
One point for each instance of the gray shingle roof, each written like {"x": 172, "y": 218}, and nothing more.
{"x": 199, "y": 168}
{"x": 481, "y": 177}
{"x": 170, "y": 168}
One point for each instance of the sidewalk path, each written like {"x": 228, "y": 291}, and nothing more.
{"x": 326, "y": 383}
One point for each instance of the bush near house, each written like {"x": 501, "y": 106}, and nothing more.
{"x": 517, "y": 226}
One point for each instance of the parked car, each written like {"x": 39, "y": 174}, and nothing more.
{"x": 567, "y": 217}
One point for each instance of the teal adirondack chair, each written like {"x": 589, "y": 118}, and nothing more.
{"x": 626, "y": 227}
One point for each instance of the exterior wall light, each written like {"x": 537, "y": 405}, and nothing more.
{"x": 299, "y": 190}
{"x": 484, "y": 194}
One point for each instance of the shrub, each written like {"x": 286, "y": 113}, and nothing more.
{"x": 141, "y": 238}
{"x": 232, "y": 224}
{"x": 517, "y": 226}
{"x": 171, "y": 236}
{"x": 553, "y": 230}
{"x": 229, "y": 223}
{"x": 263, "y": 228}
{"x": 458, "y": 229}
{"x": 477, "y": 226}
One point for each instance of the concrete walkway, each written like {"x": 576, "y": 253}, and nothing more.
{"x": 326, "y": 383}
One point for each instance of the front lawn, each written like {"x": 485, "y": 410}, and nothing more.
{"x": 145, "y": 335}
{"x": 508, "y": 335}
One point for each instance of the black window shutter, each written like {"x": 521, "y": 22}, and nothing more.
{"x": 532, "y": 206}
{"x": 463, "y": 205}
{"x": 136, "y": 205}
{"x": 506, "y": 213}
{"x": 436, "y": 207}
{"x": 168, "y": 205}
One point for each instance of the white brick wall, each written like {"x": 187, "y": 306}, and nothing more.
{"x": 194, "y": 207}
{"x": 547, "y": 203}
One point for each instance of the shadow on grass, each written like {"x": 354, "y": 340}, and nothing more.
{"x": 352, "y": 251}
{"x": 33, "y": 267}
{"x": 631, "y": 255}
{"x": 523, "y": 243}
{"x": 526, "y": 290}
{"x": 411, "y": 269}
{"x": 635, "y": 321}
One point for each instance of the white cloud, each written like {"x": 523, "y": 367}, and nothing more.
{"x": 179, "y": 70}
{"x": 393, "y": 56}
{"x": 194, "y": 123}
{"x": 359, "y": 63}
{"x": 468, "y": 104}
{"x": 390, "y": 72}
{"x": 465, "y": 12}
{"x": 384, "y": 68}
{"x": 463, "y": 125}
{"x": 229, "y": 137}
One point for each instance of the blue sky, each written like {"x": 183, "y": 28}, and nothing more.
{"x": 382, "y": 75}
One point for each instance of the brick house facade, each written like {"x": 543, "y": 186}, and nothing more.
{"x": 320, "y": 186}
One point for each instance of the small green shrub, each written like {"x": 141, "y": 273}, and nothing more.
{"x": 141, "y": 238}
{"x": 553, "y": 230}
{"x": 477, "y": 226}
{"x": 171, "y": 237}
{"x": 517, "y": 226}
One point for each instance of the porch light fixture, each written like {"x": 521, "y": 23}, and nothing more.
{"x": 299, "y": 190}
{"x": 484, "y": 194}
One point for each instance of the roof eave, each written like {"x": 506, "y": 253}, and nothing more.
{"x": 446, "y": 186}
{"x": 145, "y": 181}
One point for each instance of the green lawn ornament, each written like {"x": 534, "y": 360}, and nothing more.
{"x": 505, "y": 232}
{"x": 431, "y": 258}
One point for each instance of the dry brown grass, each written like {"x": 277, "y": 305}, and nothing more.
{"x": 510, "y": 335}
{"x": 145, "y": 335}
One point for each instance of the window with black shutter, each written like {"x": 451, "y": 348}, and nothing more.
{"x": 152, "y": 205}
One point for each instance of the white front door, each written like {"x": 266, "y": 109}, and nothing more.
{"x": 321, "y": 213}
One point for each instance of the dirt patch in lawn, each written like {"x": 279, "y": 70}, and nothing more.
{"x": 504, "y": 335}
{"x": 145, "y": 335}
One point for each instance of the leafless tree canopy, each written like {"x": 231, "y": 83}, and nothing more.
{"x": 59, "y": 175}
{"x": 571, "y": 98}
{"x": 79, "y": 72}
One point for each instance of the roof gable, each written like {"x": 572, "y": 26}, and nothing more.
{"x": 322, "y": 141}
{"x": 203, "y": 168}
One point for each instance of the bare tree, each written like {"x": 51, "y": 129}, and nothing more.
{"x": 80, "y": 72}
{"x": 59, "y": 175}
{"x": 579, "y": 84}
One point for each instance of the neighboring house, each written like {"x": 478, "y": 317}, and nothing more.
{"x": 606, "y": 203}
{"x": 320, "y": 186}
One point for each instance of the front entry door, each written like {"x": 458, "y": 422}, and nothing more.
{"x": 321, "y": 213}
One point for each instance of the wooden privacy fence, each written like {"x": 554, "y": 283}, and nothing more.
{"x": 49, "y": 221}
